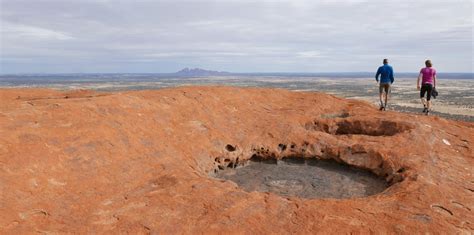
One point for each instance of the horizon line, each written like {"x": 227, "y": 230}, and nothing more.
{"x": 229, "y": 73}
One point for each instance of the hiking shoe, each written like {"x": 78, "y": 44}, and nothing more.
{"x": 425, "y": 110}
{"x": 381, "y": 108}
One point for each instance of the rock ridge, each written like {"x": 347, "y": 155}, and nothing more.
{"x": 143, "y": 161}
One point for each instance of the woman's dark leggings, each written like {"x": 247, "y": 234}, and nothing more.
{"x": 426, "y": 88}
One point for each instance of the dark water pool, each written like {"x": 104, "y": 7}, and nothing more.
{"x": 308, "y": 178}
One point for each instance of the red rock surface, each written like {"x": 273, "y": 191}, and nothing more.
{"x": 142, "y": 162}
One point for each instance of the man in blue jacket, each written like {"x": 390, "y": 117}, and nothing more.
{"x": 386, "y": 80}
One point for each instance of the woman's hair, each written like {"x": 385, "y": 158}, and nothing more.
{"x": 428, "y": 63}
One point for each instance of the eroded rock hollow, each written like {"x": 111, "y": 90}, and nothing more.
{"x": 305, "y": 178}
{"x": 146, "y": 161}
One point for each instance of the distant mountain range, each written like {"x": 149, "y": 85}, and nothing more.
{"x": 187, "y": 72}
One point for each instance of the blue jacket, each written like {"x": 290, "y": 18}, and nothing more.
{"x": 387, "y": 74}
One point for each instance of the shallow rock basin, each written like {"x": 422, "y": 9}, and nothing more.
{"x": 306, "y": 178}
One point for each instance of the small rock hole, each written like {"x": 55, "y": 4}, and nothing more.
{"x": 282, "y": 147}
{"x": 230, "y": 148}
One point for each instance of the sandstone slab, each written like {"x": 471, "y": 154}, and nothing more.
{"x": 143, "y": 162}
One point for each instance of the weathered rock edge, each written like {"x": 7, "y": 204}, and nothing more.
{"x": 139, "y": 162}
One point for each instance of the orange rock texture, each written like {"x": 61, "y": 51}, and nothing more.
{"x": 143, "y": 162}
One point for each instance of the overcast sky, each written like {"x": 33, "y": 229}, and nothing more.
{"x": 67, "y": 36}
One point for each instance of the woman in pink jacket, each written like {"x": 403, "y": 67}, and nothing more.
{"x": 428, "y": 83}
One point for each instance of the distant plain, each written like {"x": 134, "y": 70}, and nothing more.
{"x": 455, "y": 100}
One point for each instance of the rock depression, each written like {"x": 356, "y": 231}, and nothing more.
{"x": 306, "y": 178}
{"x": 148, "y": 161}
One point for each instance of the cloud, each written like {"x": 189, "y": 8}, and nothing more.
{"x": 14, "y": 31}
{"x": 310, "y": 54}
{"x": 236, "y": 35}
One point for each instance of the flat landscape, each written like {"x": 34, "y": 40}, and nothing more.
{"x": 456, "y": 99}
